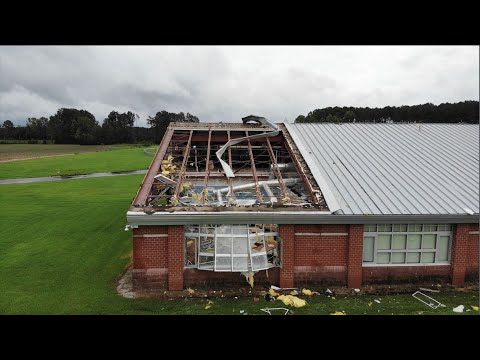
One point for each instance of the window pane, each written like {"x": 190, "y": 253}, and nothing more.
{"x": 223, "y": 245}
{"x": 370, "y": 228}
{"x": 368, "y": 249}
{"x": 400, "y": 228}
{"x": 415, "y": 227}
{"x": 443, "y": 248}
{"x": 223, "y": 263}
{"x": 414, "y": 241}
{"x": 429, "y": 241}
{"x": 385, "y": 228}
{"x": 413, "y": 257}
{"x": 398, "y": 258}
{"x": 384, "y": 242}
{"x": 428, "y": 257}
{"x": 399, "y": 242}
{"x": 383, "y": 258}
{"x": 190, "y": 246}
{"x": 240, "y": 263}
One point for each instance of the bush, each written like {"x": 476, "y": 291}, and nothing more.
{"x": 32, "y": 141}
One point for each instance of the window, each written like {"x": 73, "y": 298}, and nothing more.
{"x": 232, "y": 248}
{"x": 400, "y": 244}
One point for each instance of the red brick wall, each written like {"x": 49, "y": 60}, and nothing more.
{"x": 355, "y": 254}
{"x": 287, "y": 233}
{"x": 402, "y": 274}
{"x": 175, "y": 257}
{"x": 219, "y": 280}
{"x": 460, "y": 253}
{"x": 150, "y": 252}
{"x": 472, "y": 265}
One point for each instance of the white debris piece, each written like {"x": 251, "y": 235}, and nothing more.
{"x": 377, "y": 301}
{"x": 459, "y": 309}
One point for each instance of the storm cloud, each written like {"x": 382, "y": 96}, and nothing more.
{"x": 225, "y": 83}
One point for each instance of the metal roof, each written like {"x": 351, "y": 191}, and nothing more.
{"x": 394, "y": 169}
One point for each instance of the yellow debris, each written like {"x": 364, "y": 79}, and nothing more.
{"x": 370, "y": 303}
{"x": 273, "y": 292}
{"x": 250, "y": 280}
{"x": 308, "y": 292}
{"x": 339, "y": 313}
{"x": 475, "y": 308}
{"x": 294, "y": 292}
{"x": 292, "y": 301}
{"x": 209, "y": 302}
{"x": 190, "y": 291}
{"x": 207, "y": 307}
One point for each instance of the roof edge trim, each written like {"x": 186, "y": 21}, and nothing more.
{"x": 322, "y": 183}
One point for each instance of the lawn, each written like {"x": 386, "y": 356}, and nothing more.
{"x": 63, "y": 245}
{"x": 120, "y": 159}
{"x": 24, "y": 151}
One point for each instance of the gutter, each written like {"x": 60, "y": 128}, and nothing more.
{"x": 136, "y": 218}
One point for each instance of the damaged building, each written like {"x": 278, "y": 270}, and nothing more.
{"x": 306, "y": 204}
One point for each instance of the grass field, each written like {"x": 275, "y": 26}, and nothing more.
{"x": 121, "y": 159}
{"x": 27, "y": 151}
{"x": 63, "y": 246}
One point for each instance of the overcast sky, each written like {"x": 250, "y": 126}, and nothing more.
{"x": 225, "y": 83}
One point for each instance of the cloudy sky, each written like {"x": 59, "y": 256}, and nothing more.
{"x": 225, "y": 83}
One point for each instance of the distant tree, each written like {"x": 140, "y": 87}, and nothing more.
{"x": 37, "y": 128}
{"x": 349, "y": 116}
{"x": 333, "y": 119}
{"x": 8, "y": 129}
{"x": 8, "y": 124}
{"x": 300, "y": 119}
{"x": 72, "y": 126}
{"x": 159, "y": 123}
{"x": 118, "y": 128}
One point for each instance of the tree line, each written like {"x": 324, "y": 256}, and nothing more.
{"x": 461, "y": 112}
{"x": 73, "y": 126}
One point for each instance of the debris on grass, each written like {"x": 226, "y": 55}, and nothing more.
{"x": 292, "y": 301}
{"x": 269, "y": 297}
{"x": 209, "y": 302}
{"x": 356, "y": 290}
{"x": 256, "y": 299}
{"x": 208, "y": 307}
{"x": 475, "y": 308}
{"x": 430, "y": 290}
{"x": 427, "y": 300}
{"x": 268, "y": 310}
{"x": 308, "y": 292}
{"x": 370, "y": 303}
{"x": 190, "y": 291}
{"x": 459, "y": 308}
{"x": 377, "y": 301}
{"x": 273, "y": 292}
{"x": 294, "y": 292}
{"x": 339, "y": 313}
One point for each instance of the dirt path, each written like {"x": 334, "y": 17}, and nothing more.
{"x": 36, "y": 157}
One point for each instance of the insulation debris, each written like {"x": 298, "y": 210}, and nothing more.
{"x": 190, "y": 291}
{"x": 292, "y": 301}
{"x": 308, "y": 292}
{"x": 459, "y": 309}
{"x": 273, "y": 292}
{"x": 475, "y": 308}
{"x": 249, "y": 277}
{"x": 338, "y": 313}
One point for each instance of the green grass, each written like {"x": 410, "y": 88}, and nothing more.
{"x": 22, "y": 151}
{"x": 63, "y": 246}
{"x": 124, "y": 159}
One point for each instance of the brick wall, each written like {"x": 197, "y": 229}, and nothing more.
{"x": 175, "y": 257}
{"x": 287, "y": 233}
{"x": 460, "y": 253}
{"x": 472, "y": 264}
{"x": 219, "y": 280}
{"x": 150, "y": 252}
{"x": 403, "y": 274}
{"x": 320, "y": 254}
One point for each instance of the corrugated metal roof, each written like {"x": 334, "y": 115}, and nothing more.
{"x": 395, "y": 168}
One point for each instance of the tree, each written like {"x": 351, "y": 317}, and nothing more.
{"x": 349, "y": 116}
{"x": 333, "y": 119}
{"x": 159, "y": 123}
{"x": 8, "y": 129}
{"x": 118, "y": 128}
{"x": 63, "y": 127}
{"x": 300, "y": 119}
{"x": 37, "y": 128}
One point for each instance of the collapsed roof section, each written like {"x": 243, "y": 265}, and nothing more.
{"x": 228, "y": 167}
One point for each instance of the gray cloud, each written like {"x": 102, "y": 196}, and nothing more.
{"x": 225, "y": 83}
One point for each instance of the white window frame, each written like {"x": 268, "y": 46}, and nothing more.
{"x": 210, "y": 231}
{"x": 425, "y": 231}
